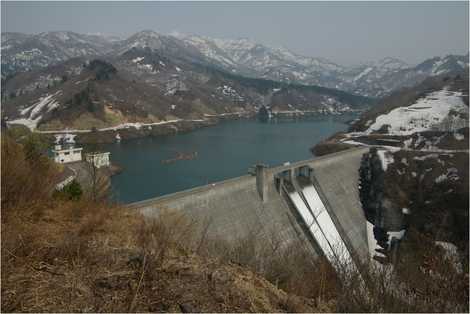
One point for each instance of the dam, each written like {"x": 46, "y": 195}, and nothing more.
{"x": 314, "y": 203}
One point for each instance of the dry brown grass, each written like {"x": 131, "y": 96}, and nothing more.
{"x": 24, "y": 177}
{"x": 415, "y": 284}
{"x": 65, "y": 256}
{"x": 79, "y": 257}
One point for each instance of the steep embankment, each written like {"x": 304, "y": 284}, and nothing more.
{"x": 417, "y": 175}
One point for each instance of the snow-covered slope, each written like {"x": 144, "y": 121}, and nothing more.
{"x": 442, "y": 110}
{"x": 32, "y": 115}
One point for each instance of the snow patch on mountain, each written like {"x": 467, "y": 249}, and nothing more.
{"x": 208, "y": 47}
{"x": 21, "y": 52}
{"x": 230, "y": 92}
{"x": 175, "y": 85}
{"x": 33, "y": 114}
{"x": 138, "y": 59}
{"x": 365, "y": 72}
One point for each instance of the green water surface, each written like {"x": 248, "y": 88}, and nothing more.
{"x": 223, "y": 151}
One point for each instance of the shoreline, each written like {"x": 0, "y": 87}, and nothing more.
{"x": 135, "y": 130}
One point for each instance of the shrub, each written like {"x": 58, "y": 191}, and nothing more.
{"x": 72, "y": 191}
{"x": 103, "y": 70}
{"x": 27, "y": 175}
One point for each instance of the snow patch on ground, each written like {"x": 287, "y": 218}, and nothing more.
{"x": 386, "y": 158}
{"x": 29, "y": 123}
{"x": 147, "y": 67}
{"x": 138, "y": 59}
{"x": 395, "y": 234}
{"x": 136, "y": 125}
{"x": 452, "y": 174}
{"x": 231, "y": 92}
{"x": 372, "y": 242}
{"x": 174, "y": 85}
{"x": 458, "y": 136}
{"x": 440, "y": 178}
{"x": 426, "y": 157}
{"x": 352, "y": 142}
{"x": 427, "y": 113}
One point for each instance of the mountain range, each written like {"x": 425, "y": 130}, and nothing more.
{"x": 21, "y": 52}
{"x": 147, "y": 80}
{"x": 59, "y": 80}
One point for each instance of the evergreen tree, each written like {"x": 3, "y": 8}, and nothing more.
{"x": 72, "y": 191}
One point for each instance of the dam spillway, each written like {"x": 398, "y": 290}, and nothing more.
{"x": 319, "y": 223}
{"x": 257, "y": 205}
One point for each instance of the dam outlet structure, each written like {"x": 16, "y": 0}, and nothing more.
{"x": 313, "y": 203}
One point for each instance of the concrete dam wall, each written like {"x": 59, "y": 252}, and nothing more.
{"x": 261, "y": 205}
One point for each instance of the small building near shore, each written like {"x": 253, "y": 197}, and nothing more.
{"x": 67, "y": 153}
{"x": 98, "y": 159}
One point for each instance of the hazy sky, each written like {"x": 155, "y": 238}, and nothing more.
{"x": 344, "y": 32}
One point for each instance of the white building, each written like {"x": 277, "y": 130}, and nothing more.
{"x": 98, "y": 159}
{"x": 68, "y": 153}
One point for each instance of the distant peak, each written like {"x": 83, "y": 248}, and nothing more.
{"x": 147, "y": 33}
{"x": 179, "y": 35}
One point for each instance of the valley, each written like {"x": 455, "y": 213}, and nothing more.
{"x": 126, "y": 94}
{"x": 157, "y": 171}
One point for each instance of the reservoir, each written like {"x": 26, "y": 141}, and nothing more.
{"x": 151, "y": 167}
